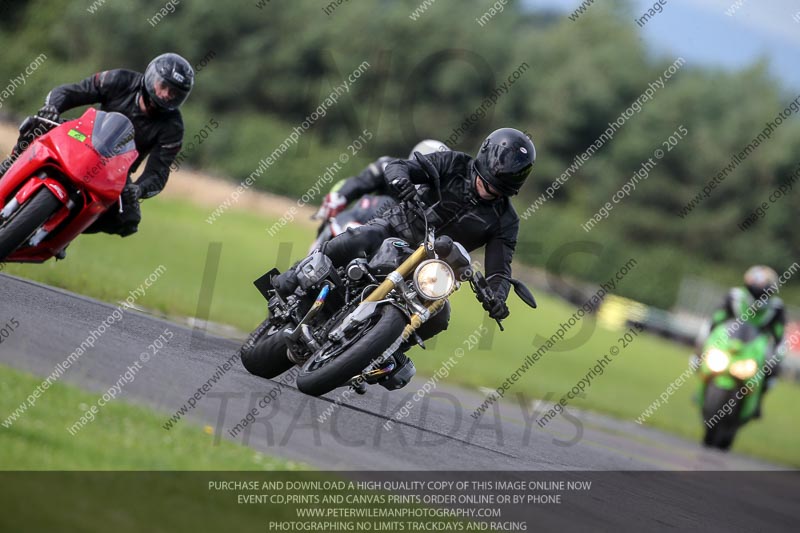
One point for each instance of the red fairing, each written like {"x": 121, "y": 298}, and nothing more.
{"x": 65, "y": 161}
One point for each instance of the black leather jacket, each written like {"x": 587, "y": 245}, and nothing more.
{"x": 159, "y": 134}
{"x": 370, "y": 181}
{"x": 461, "y": 214}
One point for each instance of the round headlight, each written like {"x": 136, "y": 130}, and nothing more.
{"x": 434, "y": 279}
{"x": 717, "y": 360}
{"x": 744, "y": 369}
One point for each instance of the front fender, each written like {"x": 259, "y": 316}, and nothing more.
{"x": 32, "y": 186}
{"x": 724, "y": 381}
{"x": 361, "y": 314}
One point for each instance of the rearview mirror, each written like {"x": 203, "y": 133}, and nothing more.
{"x": 524, "y": 293}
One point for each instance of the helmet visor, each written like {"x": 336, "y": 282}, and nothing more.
{"x": 488, "y": 186}
{"x": 164, "y": 93}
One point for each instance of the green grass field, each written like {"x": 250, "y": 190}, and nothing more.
{"x": 122, "y": 437}
{"x": 175, "y": 234}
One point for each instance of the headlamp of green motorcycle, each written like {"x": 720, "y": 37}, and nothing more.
{"x": 744, "y": 369}
{"x": 717, "y": 360}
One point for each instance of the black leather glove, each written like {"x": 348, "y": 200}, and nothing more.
{"x": 497, "y": 309}
{"x": 404, "y": 189}
{"x": 49, "y": 112}
{"x": 131, "y": 193}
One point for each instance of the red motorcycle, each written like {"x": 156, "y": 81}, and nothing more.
{"x": 62, "y": 183}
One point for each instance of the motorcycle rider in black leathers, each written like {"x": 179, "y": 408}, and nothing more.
{"x": 150, "y": 101}
{"x": 474, "y": 210}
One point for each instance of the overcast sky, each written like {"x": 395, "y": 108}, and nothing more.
{"x": 700, "y": 30}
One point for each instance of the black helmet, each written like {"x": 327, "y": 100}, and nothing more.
{"x": 168, "y": 80}
{"x": 505, "y": 160}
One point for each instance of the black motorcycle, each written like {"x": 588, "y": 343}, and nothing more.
{"x": 343, "y": 326}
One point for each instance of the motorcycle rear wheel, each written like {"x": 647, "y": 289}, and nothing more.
{"x": 26, "y": 220}
{"x": 264, "y": 353}
{"x": 370, "y": 344}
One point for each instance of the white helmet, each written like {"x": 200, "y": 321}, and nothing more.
{"x": 759, "y": 279}
{"x": 428, "y": 146}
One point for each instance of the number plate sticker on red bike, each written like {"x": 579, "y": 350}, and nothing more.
{"x": 78, "y": 136}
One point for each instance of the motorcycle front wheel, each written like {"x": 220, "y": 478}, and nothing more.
{"x": 721, "y": 434}
{"x": 16, "y": 231}
{"x": 320, "y": 376}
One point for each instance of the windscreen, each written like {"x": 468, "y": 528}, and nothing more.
{"x": 112, "y": 134}
{"x": 744, "y": 332}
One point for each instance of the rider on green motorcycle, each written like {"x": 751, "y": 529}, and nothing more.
{"x": 757, "y": 305}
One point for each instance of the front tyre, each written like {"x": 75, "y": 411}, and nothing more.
{"x": 318, "y": 378}
{"x": 29, "y": 217}
{"x": 723, "y": 430}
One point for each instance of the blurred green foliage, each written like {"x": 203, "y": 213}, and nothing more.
{"x": 267, "y": 68}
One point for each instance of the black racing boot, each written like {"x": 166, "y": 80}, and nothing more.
{"x": 286, "y": 283}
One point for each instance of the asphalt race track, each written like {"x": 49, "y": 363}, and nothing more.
{"x": 439, "y": 434}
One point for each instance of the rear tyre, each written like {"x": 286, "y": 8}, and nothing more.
{"x": 15, "y": 231}
{"x": 723, "y": 431}
{"x": 264, "y": 353}
{"x": 317, "y": 380}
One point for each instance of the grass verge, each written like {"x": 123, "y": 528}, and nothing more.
{"x": 122, "y": 437}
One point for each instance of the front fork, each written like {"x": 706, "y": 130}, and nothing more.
{"x": 379, "y": 368}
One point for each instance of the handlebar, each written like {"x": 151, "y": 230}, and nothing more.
{"x": 48, "y": 121}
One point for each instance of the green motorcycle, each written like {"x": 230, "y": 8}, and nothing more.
{"x": 732, "y": 380}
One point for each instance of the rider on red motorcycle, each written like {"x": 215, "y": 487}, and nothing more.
{"x": 150, "y": 101}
